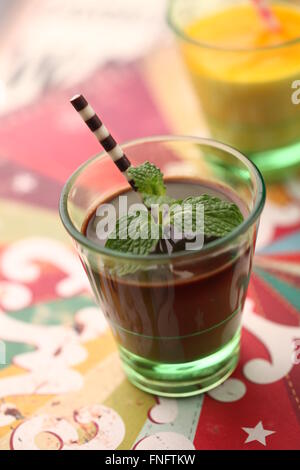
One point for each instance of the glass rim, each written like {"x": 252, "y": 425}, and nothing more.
{"x": 216, "y": 244}
{"x": 205, "y": 45}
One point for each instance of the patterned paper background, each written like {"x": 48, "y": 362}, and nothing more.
{"x": 62, "y": 386}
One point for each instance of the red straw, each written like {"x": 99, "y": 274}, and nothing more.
{"x": 265, "y": 12}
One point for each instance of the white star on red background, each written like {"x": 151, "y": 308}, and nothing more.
{"x": 258, "y": 433}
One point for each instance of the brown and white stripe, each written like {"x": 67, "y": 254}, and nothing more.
{"x": 101, "y": 133}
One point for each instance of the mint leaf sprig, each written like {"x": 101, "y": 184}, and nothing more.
{"x": 139, "y": 234}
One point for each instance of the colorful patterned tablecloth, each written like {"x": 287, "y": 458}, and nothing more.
{"x": 62, "y": 385}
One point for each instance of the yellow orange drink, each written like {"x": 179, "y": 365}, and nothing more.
{"x": 243, "y": 73}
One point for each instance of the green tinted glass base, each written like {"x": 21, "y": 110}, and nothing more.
{"x": 279, "y": 163}
{"x": 275, "y": 165}
{"x": 184, "y": 379}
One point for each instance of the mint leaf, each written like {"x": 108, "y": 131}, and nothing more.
{"x": 148, "y": 179}
{"x": 220, "y": 217}
{"x": 136, "y": 234}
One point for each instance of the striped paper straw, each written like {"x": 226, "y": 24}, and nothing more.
{"x": 103, "y": 136}
{"x": 266, "y": 14}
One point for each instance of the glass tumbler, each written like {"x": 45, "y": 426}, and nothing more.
{"x": 176, "y": 318}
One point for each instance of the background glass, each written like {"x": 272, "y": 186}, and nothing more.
{"x": 177, "y": 318}
{"x": 245, "y": 93}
